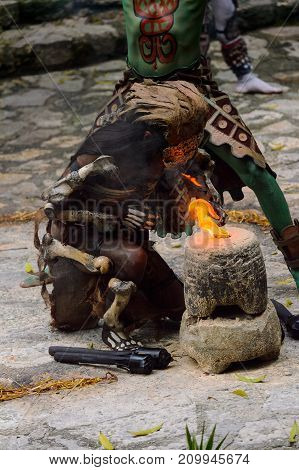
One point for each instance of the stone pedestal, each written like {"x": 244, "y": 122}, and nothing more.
{"x": 224, "y": 271}
{"x": 216, "y": 343}
{"x": 228, "y": 317}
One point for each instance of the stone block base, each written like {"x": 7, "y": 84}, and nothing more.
{"x": 216, "y": 343}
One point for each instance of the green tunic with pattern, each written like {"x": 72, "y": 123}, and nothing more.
{"x": 163, "y": 35}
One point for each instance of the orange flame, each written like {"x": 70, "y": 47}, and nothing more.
{"x": 203, "y": 213}
{"x": 192, "y": 179}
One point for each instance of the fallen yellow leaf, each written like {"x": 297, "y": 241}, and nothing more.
{"x": 270, "y": 106}
{"x": 288, "y": 302}
{"x": 28, "y": 268}
{"x": 146, "y": 432}
{"x": 276, "y": 146}
{"x": 294, "y": 432}
{"x": 176, "y": 245}
{"x": 104, "y": 441}
{"x": 284, "y": 282}
{"x": 240, "y": 393}
{"x": 250, "y": 380}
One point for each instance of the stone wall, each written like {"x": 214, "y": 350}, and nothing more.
{"x": 254, "y": 13}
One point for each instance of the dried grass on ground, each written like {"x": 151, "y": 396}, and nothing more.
{"x": 249, "y": 216}
{"x": 52, "y": 385}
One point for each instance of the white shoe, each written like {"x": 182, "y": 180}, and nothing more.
{"x": 250, "y": 83}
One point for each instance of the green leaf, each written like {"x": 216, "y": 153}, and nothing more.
{"x": 195, "y": 444}
{"x": 201, "y": 446}
{"x": 219, "y": 446}
{"x": 105, "y": 443}
{"x": 146, "y": 432}
{"x": 189, "y": 439}
{"x": 251, "y": 380}
{"x": 240, "y": 393}
{"x": 210, "y": 443}
{"x": 294, "y": 432}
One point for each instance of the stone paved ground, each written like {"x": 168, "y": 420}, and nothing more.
{"x": 42, "y": 120}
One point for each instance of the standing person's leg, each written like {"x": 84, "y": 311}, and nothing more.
{"x": 272, "y": 201}
{"x": 234, "y": 49}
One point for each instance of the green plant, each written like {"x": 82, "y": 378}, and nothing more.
{"x": 209, "y": 445}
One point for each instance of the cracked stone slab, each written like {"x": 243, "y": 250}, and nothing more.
{"x": 23, "y": 155}
{"x": 12, "y": 178}
{"x": 283, "y": 105}
{"x": 277, "y": 128}
{"x": 34, "y": 97}
{"x": 56, "y": 45}
{"x": 65, "y": 81}
{"x": 279, "y": 33}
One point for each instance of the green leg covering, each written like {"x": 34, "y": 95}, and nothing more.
{"x": 265, "y": 187}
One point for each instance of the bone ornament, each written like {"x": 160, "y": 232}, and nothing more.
{"x": 65, "y": 186}
{"x": 123, "y": 291}
{"x": 52, "y": 248}
{"x": 102, "y": 222}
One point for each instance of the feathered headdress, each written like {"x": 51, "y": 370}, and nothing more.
{"x": 175, "y": 107}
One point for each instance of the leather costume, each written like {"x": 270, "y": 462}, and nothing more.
{"x": 150, "y": 54}
{"x": 162, "y": 38}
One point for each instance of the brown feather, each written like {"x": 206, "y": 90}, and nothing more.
{"x": 175, "y": 106}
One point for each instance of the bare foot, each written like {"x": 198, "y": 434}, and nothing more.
{"x": 250, "y": 83}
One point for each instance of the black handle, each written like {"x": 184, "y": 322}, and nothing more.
{"x": 131, "y": 362}
{"x": 160, "y": 356}
{"x": 59, "y": 349}
{"x": 87, "y": 358}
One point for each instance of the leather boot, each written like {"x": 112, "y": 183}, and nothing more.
{"x": 288, "y": 244}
